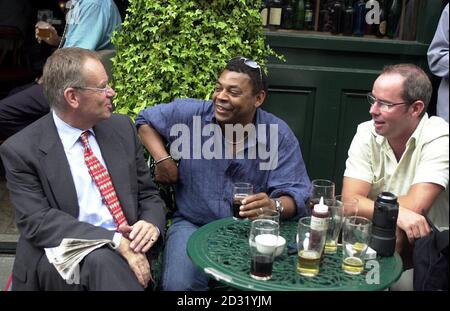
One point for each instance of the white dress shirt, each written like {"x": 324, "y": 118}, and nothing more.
{"x": 92, "y": 208}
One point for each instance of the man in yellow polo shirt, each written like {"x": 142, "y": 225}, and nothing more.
{"x": 403, "y": 151}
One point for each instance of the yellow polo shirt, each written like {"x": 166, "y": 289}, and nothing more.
{"x": 425, "y": 160}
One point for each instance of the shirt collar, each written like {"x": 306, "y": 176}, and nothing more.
{"x": 69, "y": 135}
{"x": 415, "y": 135}
{"x": 381, "y": 139}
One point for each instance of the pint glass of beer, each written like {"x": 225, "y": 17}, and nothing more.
{"x": 355, "y": 240}
{"x": 310, "y": 244}
{"x": 263, "y": 241}
{"x": 240, "y": 191}
{"x": 44, "y": 31}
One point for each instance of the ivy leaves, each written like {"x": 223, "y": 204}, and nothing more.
{"x": 171, "y": 49}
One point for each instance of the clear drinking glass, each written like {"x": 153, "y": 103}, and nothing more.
{"x": 338, "y": 209}
{"x": 263, "y": 241}
{"x": 240, "y": 191}
{"x": 335, "y": 220}
{"x": 355, "y": 241}
{"x": 321, "y": 188}
{"x": 267, "y": 213}
{"x": 44, "y": 30}
{"x": 310, "y": 245}
{"x": 44, "y": 18}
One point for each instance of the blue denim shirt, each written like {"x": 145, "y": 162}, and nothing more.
{"x": 204, "y": 190}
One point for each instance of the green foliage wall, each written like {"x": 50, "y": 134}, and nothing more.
{"x": 175, "y": 48}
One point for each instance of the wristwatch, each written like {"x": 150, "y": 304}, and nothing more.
{"x": 279, "y": 207}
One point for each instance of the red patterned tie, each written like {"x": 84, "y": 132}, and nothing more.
{"x": 103, "y": 181}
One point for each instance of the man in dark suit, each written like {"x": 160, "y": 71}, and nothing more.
{"x": 55, "y": 189}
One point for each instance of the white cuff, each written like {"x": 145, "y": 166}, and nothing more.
{"x": 116, "y": 240}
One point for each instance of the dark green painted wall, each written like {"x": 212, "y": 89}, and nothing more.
{"x": 320, "y": 91}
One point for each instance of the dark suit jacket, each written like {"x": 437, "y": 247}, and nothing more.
{"x": 21, "y": 109}
{"x": 43, "y": 192}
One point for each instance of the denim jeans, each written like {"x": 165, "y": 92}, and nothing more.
{"x": 179, "y": 273}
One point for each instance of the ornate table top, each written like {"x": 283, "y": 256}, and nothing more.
{"x": 221, "y": 249}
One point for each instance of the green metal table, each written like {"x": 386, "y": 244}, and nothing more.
{"x": 221, "y": 249}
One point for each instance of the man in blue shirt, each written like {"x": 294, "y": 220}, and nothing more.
{"x": 218, "y": 143}
{"x": 90, "y": 25}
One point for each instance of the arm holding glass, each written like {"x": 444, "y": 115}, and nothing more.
{"x": 288, "y": 182}
{"x": 253, "y": 204}
{"x": 44, "y": 31}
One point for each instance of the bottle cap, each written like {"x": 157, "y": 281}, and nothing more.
{"x": 321, "y": 208}
{"x": 387, "y": 197}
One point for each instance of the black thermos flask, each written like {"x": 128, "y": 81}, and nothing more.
{"x": 384, "y": 224}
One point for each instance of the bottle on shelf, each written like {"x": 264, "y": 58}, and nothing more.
{"x": 288, "y": 16}
{"x": 372, "y": 20}
{"x": 347, "y": 20}
{"x": 393, "y": 18}
{"x": 300, "y": 14}
{"x": 275, "y": 12}
{"x": 359, "y": 21}
{"x": 325, "y": 22}
{"x": 264, "y": 12}
{"x": 336, "y": 17}
{"x": 309, "y": 23}
{"x": 382, "y": 26}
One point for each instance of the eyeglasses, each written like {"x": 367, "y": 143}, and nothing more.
{"x": 252, "y": 64}
{"x": 96, "y": 89}
{"x": 383, "y": 105}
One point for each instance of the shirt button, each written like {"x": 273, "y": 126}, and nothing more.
{"x": 225, "y": 199}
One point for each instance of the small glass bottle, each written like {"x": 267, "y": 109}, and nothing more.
{"x": 275, "y": 14}
{"x": 300, "y": 15}
{"x": 287, "y": 21}
{"x": 264, "y": 13}
{"x": 309, "y": 19}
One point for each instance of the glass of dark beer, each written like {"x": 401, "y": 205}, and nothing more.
{"x": 263, "y": 241}
{"x": 240, "y": 191}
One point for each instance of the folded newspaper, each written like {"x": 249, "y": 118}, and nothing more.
{"x": 67, "y": 256}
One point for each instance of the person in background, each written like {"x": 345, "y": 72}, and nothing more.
{"x": 403, "y": 151}
{"x": 438, "y": 62}
{"x": 79, "y": 172}
{"x": 203, "y": 185}
{"x": 89, "y": 25}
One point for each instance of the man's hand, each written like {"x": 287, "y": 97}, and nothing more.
{"x": 53, "y": 40}
{"x": 142, "y": 235}
{"x": 137, "y": 261}
{"x": 413, "y": 224}
{"x": 166, "y": 172}
{"x": 252, "y": 205}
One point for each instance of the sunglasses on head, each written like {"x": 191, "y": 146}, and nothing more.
{"x": 252, "y": 64}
